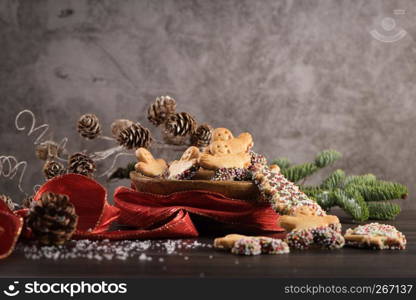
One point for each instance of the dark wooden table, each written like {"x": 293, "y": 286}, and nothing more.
{"x": 207, "y": 262}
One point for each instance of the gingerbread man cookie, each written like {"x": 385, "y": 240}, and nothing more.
{"x": 375, "y": 236}
{"x": 212, "y": 162}
{"x": 148, "y": 165}
{"x": 186, "y": 167}
{"x": 240, "y": 144}
{"x": 222, "y": 134}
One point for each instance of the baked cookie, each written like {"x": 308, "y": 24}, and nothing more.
{"x": 212, "y": 162}
{"x": 323, "y": 237}
{"x": 304, "y": 221}
{"x": 284, "y": 196}
{"x": 191, "y": 153}
{"x": 240, "y": 144}
{"x": 273, "y": 246}
{"x": 274, "y": 168}
{"x": 181, "y": 170}
{"x": 375, "y": 236}
{"x": 186, "y": 167}
{"x": 258, "y": 159}
{"x": 306, "y": 229}
{"x": 148, "y": 165}
{"x": 251, "y": 245}
{"x": 222, "y": 134}
{"x": 232, "y": 174}
{"x": 246, "y": 246}
{"x": 227, "y": 242}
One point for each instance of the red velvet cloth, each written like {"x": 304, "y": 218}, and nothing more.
{"x": 150, "y": 216}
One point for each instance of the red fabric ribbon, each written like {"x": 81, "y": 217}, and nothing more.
{"x": 151, "y": 216}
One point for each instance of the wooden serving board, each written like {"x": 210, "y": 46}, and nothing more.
{"x": 243, "y": 190}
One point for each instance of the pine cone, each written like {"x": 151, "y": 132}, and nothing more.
{"x": 53, "y": 168}
{"x": 9, "y": 202}
{"x": 202, "y": 136}
{"x": 159, "y": 111}
{"x": 27, "y": 201}
{"x": 135, "y": 136}
{"x": 80, "y": 163}
{"x": 47, "y": 150}
{"x": 52, "y": 219}
{"x": 89, "y": 126}
{"x": 119, "y": 125}
{"x": 180, "y": 124}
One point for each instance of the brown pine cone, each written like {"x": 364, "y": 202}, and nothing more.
{"x": 202, "y": 136}
{"x": 119, "y": 125}
{"x": 52, "y": 219}
{"x": 80, "y": 163}
{"x": 161, "y": 109}
{"x": 135, "y": 136}
{"x": 180, "y": 124}
{"x": 27, "y": 201}
{"x": 47, "y": 150}
{"x": 53, "y": 168}
{"x": 89, "y": 126}
{"x": 9, "y": 202}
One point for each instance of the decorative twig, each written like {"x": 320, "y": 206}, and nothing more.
{"x": 43, "y": 128}
{"x": 113, "y": 164}
{"x": 9, "y": 167}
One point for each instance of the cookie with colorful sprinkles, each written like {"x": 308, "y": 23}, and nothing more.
{"x": 247, "y": 246}
{"x": 375, "y": 236}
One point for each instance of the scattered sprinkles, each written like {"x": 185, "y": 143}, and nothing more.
{"x": 109, "y": 250}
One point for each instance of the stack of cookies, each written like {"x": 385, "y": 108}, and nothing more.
{"x": 225, "y": 158}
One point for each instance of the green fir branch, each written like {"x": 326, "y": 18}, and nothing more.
{"x": 326, "y": 199}
{"x": 327, "y": 158}
{"x": 311, "y": 191}
{"x": 360, "y": 179}
{"x": 282, "y": 162}
{"x": 383, "y": 210}
{"x": 352, "y": 203}
{"x": 299, "y": 172}
{"x": 334, "y": 180}
{"x": 381, "y": 190}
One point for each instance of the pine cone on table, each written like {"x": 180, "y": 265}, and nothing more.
{"x": 202, "y": 136}
{"x": 9, "y": 202}
{"x": 80, "y": 163}
{"x": 89, "y": 126}
{"x": 135, "y": 136}
{"x": 180, "y": 124}
{"x": 53, "y": 168}
{"x": 52, "y": 219}
{"x": 159, "y": 111}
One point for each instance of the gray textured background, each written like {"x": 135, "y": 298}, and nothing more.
{"x": 300, "y": 75}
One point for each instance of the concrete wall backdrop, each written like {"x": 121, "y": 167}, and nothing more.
{"x": 300, "y": 75}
